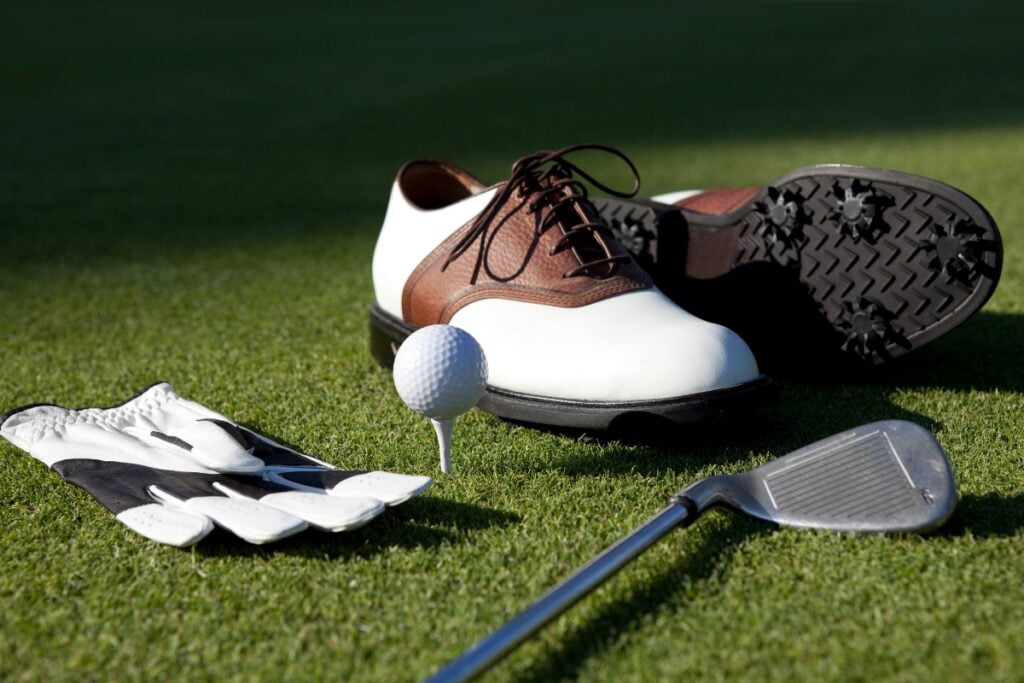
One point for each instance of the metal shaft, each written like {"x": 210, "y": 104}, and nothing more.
{"x": 560, "y": 598}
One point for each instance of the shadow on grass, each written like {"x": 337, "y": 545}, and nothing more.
{"x": 420, "y": 523}
{"x": 979, "y": 355}
{"x": 973, "y": 356}
{"x": 987, "y": 516}
{"x": 621, "y": 616}
{"x": 804, "y": 414}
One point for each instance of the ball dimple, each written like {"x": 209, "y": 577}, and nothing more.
{"x": 440, "y": 371}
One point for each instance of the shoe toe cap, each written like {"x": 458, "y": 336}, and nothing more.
{"x": 633, "y": 347}
{"x": 712, "y": 357}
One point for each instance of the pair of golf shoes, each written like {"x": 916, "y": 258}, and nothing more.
{"x": 593, "y": 312}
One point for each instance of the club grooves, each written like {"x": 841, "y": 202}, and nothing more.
{"x": 861, "y": 477}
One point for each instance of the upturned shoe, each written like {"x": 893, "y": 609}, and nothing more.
{"x": 574, "y": 331}
{"x": 827, "y": 262}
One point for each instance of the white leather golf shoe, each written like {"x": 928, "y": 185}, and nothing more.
{"x": 575, "y": 333}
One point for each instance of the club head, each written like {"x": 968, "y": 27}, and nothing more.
{"x": 889, "y": 476}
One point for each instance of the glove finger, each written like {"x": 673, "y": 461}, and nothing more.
{"x": 166, "y": 525}
{"x": 110, "y": 484}
{"x": 244, "y": 517}
{"x": 328, "y": 513}
{"x": 390, "y": 487}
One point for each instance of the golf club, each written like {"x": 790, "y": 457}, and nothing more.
{"x": 889, "y": 476}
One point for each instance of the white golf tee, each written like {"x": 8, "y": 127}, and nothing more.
{"x": 444, "y": 429}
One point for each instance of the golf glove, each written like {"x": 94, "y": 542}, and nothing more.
{"x": 169, "y": 469}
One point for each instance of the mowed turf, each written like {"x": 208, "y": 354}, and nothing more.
{"x": 191, "y": 193}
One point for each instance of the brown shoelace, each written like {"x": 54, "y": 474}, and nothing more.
{"x": 547, "y": 179}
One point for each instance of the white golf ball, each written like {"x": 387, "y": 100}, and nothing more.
{"x": 440, "y": 371}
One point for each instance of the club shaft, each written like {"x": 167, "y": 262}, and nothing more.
{"x": 486, "y": 652}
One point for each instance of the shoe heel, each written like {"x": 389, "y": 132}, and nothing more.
{"x": 386, "y": 335}
{"x": 654, "y": 233}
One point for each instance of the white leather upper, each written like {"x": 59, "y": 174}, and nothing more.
{"x": 637, "y": 346}
{"x": 409, "y": 234}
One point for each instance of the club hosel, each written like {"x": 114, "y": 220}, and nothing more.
{"x": 699, "y": 496}
{"x": 692, "y": 511}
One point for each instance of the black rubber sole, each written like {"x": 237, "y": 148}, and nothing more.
{"x": 827, "y": 261}
{"x": 387, "y": 333}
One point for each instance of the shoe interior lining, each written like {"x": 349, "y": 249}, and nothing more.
{"x": 435, "y": 184}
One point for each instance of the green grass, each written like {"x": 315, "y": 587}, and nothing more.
{"x": 191, "y": 193}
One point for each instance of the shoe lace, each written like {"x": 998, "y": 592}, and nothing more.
{"x": 546, "y": 179}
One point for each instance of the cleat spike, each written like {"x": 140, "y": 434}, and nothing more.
{"x": 782, "y": 218}
{"x": 858, "y": 211}
{"x": 868, "y": 328}
{"x": 955, "y": 250}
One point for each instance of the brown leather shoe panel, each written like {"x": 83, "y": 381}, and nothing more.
{"x": 522, "y": 266}
{"x": 719, "y": 202}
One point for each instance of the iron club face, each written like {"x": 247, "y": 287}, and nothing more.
{"x": 889, "y": 476}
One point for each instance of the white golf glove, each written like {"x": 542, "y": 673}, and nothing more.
{"x": 169, "y": 469}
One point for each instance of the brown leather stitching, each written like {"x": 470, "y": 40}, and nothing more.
{"x": 536, "y": 296}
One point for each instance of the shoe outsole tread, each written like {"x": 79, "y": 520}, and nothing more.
{"x": 890, "y": 260}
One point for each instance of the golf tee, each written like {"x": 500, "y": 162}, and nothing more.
{"x": 444, "y": 441}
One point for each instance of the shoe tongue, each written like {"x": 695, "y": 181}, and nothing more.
{"x": 585, "y": 244}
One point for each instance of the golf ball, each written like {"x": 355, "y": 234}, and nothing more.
{"x": 440, "y": 371}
